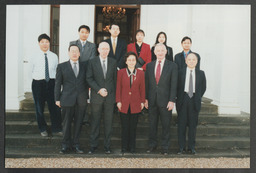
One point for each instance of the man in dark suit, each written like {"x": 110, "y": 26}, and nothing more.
{"x": 88, "y": 51}
{"x": 101, "y": 77}
{"x": 117, "y": 46}
{"x": 161, "y": 84}
{"x": 179, "y": 58}
{"x": 72, "y": 98}
{"x": 191, "y": 88}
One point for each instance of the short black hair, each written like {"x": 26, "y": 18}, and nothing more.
{"x": 85, "y": 27}
{"x": 44, "y": 36}
{"x": 158, "y": 35}
{"x": 114, "y": 24}
{"x": 129, "y": 54}
{"x": 185, "y": 38}
{"x": 73, "y": 45}
{"x": 140, "y": 30}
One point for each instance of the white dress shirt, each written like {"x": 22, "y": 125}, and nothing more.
{"x": 82, "y": 42}
{"x": 112, "y": 40}
{"x": 77, "y": 65}
{"x": 38, "y": 65}
{"x": 187, "y": 80}
{"x": 162, "y": 65}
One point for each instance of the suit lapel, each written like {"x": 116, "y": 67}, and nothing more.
{"x": 153, "y": 71}
{"x": 197, "y": 77}
{"x": 183, "y": 78}
{"x": 164, "y": 71}
{"x": 69, "y": 67}
{"x": 98, "y": 65}
{"x": 78, "y": 43}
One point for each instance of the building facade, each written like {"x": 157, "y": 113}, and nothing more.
{"x": 220, "y": 34}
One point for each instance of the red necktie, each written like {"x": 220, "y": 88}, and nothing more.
{"x": 158, "y": 72}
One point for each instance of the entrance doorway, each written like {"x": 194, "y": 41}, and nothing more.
{"x": 128, "y": 24}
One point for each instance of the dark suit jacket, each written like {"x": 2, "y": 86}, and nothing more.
{"x": 166, "y": 89}
{"x": 74, "y": 89}
{"x": 96, "y": 81}
{"x": 89, "y": 50}
{"x": 200, "y": 87}
{"x": 120, "y": 51}
{"x": 179, "y": 59}
{"x": 130, "y": 96}
{"x": 145, "y": 52}
{"x": 169, "y": 54}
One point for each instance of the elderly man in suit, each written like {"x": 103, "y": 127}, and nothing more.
{"x": 117, "y": 46}
{"x": 161, "y": 84}
{"x": 101, "y": 77}
{"x": 191, "y": 88}
{"x": 179, "y": 58}
{"x": 72, "y": 98}
{"x": 87, "y": 52}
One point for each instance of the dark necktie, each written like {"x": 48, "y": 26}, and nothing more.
{"x": 47, "y": 77}
{"x": 158, "y": 72}
{"x": 75, "y": 69}
{"x": 104, "y": 69}
{"x": 83, "y": 46}
{"x": 190, "y": 87}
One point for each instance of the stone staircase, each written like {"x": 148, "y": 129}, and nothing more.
{"x": 217, "y": 135}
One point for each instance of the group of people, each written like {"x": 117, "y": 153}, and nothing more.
{"x": 130, "y": 77}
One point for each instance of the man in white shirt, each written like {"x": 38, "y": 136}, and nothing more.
{"x": 191, "y": 88}
{"x": 44, "y": 64}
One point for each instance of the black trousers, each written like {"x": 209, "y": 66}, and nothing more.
{"x": 44, "y": 92}
{"x": 187, "y": 116}
{"x": 129, "y": 124}
{"x": 107, "y": 109}
{"x": 73, "y": 114}
{"x": 155, "y": 112}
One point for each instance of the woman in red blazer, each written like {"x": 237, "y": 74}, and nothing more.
{"x": 141, "y": 49}
{"x": 130, "y": 98}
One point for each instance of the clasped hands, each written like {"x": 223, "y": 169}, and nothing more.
{"x": 103, "y": 92}
{"x": 170, "y": 105}
{"x": 119, "y": 105}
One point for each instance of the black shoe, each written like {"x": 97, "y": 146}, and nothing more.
{"x": 191, "y": 151}
{"x": 87, "y": 123}
{"x": 164, "y": 152}
{"x": 108, "y": 151}
{"x": 64, "y": 150}
{"x": 78, "y": 150}
{"x": 92, "y": 150}
{"x": 151, "y": 149}
{"x": 181, "y": 151}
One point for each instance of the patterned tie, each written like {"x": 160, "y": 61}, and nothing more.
{"x": 47, "y": 77}
{"x": 190, "y": 87}
{"x": 104, "y": 69}
{"x": 158, "y": 72}
{"x": 75, "y": 69}
{"x": 114, "y": 46}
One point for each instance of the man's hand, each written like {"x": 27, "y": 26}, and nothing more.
{"x": 58, "y": 103}
{"x": 170, "y": 106}
{"x": 119, "y": 105}
{"x": 103, "y": 92}
{"x": 142, "y": 106}
{"x": 146, "y": 104}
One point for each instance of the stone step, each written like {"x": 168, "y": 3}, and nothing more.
{"x": 32, "y": 140}
{"x": 203, "y": 118}
{"x": 53, "y": 152}
{"x": 30, "y": 127}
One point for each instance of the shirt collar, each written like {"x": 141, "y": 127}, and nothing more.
{"x": 131, "y": 73}
{"x": 112, "y": 39}
{"x": 187, "y": 53}
{"x": 72, "y": 62}
{"x": 193, "y": 70}
{"x": 83, "y": 41}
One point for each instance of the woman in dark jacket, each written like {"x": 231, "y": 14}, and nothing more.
{"x": 162, "y": 38}
{"x": 130, "y": 98}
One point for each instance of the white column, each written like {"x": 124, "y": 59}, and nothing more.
{"x": 71, "y": 18}
{"x": 14, "y": 60}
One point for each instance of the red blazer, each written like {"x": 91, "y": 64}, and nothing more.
{"x": 133, "y": 96}
{"x": 145, "y": 52}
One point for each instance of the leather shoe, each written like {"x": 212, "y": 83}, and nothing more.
{"x": 151, "y": 149}
{"x": 78, "y": 150}
{"x": 92, "y": 150}
{"x": 63, "y": 150}
{"x": 181, "y": 151}
{"x": 191, "y": 151}
{"x": 164, "y": 152}
{"x": 108, "y": 151}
